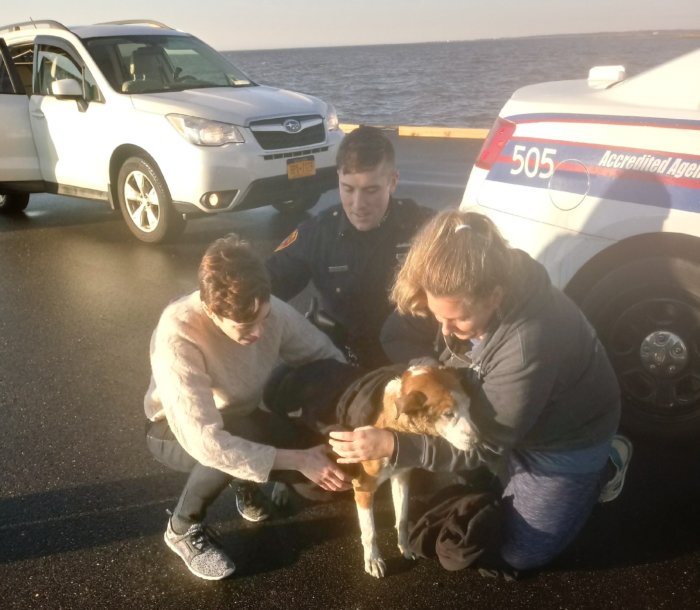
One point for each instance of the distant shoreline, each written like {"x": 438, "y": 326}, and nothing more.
{"x": 691, "y": 33}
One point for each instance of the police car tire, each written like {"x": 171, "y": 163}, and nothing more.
{"x": 627, "y": 306}
{"x": 12, "y": 203}
{"x": 297, "y": 206}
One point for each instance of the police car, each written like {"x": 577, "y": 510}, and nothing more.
{"x": 599, "y": 180}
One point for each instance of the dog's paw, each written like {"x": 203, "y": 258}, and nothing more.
{"x": 280, "y": 494}
{"x": 406, "y": 552}
{"x": 402, "y": 543}
{"x": 375, "y": 567}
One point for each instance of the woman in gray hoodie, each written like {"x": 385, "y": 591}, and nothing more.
{"x": 545, "y": 399}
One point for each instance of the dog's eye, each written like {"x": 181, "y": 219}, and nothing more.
{"x": 449, "y": 415}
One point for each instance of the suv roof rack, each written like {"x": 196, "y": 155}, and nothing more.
{"x": 33, "y": 23}
{"x": 151, "y": 22}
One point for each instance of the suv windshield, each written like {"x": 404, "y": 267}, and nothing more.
{"x": 149, "y": 64}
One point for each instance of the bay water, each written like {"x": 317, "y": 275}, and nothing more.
{"x": 453, "y": 84}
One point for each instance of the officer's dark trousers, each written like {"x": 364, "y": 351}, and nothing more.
{"x": 205, "y": 484}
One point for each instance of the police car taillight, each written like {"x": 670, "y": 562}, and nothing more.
{"x": 499, "y": 135}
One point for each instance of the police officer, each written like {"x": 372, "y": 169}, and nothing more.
{"x": 351, "y": 251}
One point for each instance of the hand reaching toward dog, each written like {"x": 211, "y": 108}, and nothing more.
{"x": 316, "y": 465}
{"x": 362, "y": 444}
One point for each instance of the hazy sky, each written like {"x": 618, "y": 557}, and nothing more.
{"x": 267, "y": 24}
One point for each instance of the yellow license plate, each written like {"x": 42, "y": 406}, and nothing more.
{"x": 301, "y": 168}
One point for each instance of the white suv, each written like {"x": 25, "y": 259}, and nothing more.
{"x": 599, "y": 179}
{"x": 155, "y": 122}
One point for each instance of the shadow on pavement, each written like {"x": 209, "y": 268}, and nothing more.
{"x": 82, "y": 517}
{"x": 654, "y": 520}
{"x": 60, "y": 521}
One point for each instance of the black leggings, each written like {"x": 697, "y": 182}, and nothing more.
{"x": 204, "y": 483}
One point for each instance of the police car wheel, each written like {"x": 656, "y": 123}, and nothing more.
{"x": 647, "y": 314}
{"x": 298, "y": 205}
{"x": 12, "y": 203}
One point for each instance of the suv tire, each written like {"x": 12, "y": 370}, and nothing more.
{"x": 12, "y": 203}
{"x": 145, "y": 202}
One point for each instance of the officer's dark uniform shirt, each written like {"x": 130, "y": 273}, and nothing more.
{"x": 352, "y": 270}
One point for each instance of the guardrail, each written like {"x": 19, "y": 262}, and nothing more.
{"x": 471, "y": 133}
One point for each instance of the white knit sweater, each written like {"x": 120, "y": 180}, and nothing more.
{"x": 197, "y": 370}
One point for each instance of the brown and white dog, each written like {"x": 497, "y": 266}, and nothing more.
{"x": 426, "y": 400}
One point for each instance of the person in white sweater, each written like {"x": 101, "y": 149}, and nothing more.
{"x": 211, "y": 354}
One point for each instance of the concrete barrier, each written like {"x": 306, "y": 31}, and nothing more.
{"x": 467, "y": 133}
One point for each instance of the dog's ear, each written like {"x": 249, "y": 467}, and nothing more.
{"x": 408, "y": 403}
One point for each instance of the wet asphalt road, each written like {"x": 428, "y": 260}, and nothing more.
{"x": 82, "y": 504}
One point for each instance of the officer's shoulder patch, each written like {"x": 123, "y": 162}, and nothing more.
{"x": 288, "y": 241}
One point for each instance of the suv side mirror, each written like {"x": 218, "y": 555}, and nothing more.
{"x": 66, "y": 88}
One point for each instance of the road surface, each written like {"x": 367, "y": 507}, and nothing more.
{"x": 82, "y": 503}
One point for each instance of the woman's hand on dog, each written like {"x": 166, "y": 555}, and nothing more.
{"x": 316, "y": 465}
{"x": 362, "y": 444}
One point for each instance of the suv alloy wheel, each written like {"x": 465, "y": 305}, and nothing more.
{"x": 145, "y": 202}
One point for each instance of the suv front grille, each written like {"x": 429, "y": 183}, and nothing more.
{"x": 272, "y": 135}
{"x": 295, "y": 153}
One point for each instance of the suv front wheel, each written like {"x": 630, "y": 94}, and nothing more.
{"x": 145, "y": 202}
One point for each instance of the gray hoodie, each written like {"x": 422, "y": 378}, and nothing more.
{"x": 540, "y": 379}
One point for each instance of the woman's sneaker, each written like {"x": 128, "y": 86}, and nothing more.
{"x": 200, "y": 551}
{"x": 620, "y": 456}
{"x": 251, "y": 502}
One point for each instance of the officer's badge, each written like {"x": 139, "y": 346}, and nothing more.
{"x": 288, "y": 241}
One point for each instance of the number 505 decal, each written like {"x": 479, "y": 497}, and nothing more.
{"x": 533, "y": 162}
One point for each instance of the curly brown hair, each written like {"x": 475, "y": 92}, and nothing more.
{"x": 456, "y": 254}
{"x": 233, "y": 280}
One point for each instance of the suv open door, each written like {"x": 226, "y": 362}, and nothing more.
{"x": 19, "y": 162}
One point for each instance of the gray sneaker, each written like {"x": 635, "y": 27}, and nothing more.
{"x": 200, "y": 551}
{"x": 251, "y": 502}
{"x": 620, "y": 456}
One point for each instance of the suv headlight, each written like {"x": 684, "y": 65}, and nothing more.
{"x": 204, "y": 132}
{"x": 332, "y": 118}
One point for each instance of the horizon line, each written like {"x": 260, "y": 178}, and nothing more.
{"x": 694, "y": 31}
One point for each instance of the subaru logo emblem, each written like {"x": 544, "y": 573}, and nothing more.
{"x": 292, "y": 125}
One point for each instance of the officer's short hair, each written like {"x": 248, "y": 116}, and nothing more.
{"x": 233, "y": 280}
{"x": 363, "y": 149}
